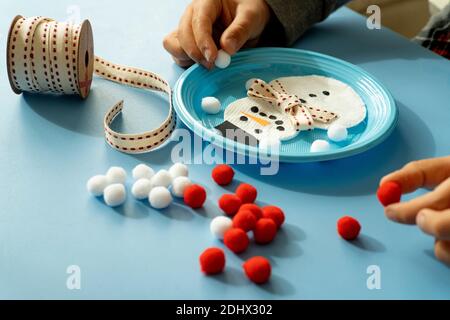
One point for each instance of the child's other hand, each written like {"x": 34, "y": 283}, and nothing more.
{"x": 238, "y": 22}
{"x": 431, "y": 212}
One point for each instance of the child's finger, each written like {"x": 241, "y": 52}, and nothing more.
{"x": 426, "y": 173}
{"x": 435, "y": 223}
{"x": 183, "y": 63}
{"x": 442, "y": 250}
{"x": 250, "y": 43}
{"x": 172, "y": 45}
{"x": 204, "y": 15}
{"x": 239, "y": 31}
{"x": 406, "y": 212}
{"x": 187, "y": 40}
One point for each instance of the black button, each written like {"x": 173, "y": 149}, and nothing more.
{"x": 272, "y": 117}
{"x": 279, "y": 122}
{"x": 262, "y": 114}
{"x": 243, "y": 118}
{"x": 254, "y": 109}
{"x": 280, "y": 128}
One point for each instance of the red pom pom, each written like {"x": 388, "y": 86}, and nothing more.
{"x": 236, "y": 240}
{"x": 258, "y": 269}
{"x": 194, "y": 196}
{"x": 257, "y": 212}
{"x": 246, "y": 192}
{"x": 244, "y": 220}
{"x": 274, "y": 213}
{"x": 265, "y": 231}
{"x": 348, "y": 228}
{"x": 223, "y": 174}
{"x": 212, "y": 261}
{"x": 230, "y": 204}
{"x": 389, "y": 192}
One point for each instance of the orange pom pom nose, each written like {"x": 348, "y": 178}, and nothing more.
{"x": 194, "y": 196}
{"x": 257, "y": 212}
{"x": 348, "y": 228}
{"x": 236, "y": 240}
{"x": 274, "y": 213}
{"x": 389, "y": 192}
{"x": 244, "y": 220}
{"x": 246, "y": 192}
{"x": 265, "y": 231}
{"x": 230, "y": 204}
{"x": 258, "y": 269}
{"x": 223, "y": 174}
{"x": 212, "y": 261}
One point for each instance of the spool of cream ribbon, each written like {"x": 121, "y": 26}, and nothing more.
{"x": 44, "y": 55}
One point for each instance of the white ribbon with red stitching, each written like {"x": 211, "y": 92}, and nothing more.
{"x": 43, "y": 59}
{"x": 302, "y": 116}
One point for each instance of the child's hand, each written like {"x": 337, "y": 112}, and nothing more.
{"x": 431, "y": 212}
{"x": 242, "y": 23}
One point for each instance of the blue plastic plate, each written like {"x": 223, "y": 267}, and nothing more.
{"x": 228, "y": 85}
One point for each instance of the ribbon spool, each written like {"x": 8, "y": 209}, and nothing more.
{"x": 44, "y": 55}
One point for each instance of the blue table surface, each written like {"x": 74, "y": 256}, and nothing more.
{"x": 50, "y": 146}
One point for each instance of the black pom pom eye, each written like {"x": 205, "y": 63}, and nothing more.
{"x": 254, "y": 109}
{"x": 327, "y": 93}
{"x": 312, "y": 95}
{"x": 243, "y": 118}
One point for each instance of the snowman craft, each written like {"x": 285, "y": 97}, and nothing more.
{"x": 286, "y": 106}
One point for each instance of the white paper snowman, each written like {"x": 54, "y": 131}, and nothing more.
{"x": 258, "y": 117}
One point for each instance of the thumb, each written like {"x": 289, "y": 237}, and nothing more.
{"x": 239, "y": 31}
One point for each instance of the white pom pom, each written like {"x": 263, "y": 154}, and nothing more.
{"x": 141, "y": 188}
{"x": 337, "y": 132}
{"x": 179, "y": 184}
{"x": 160, "y": 198}
{"x": 249, "y": 83}
{"x": 97, "y": 184}
{"x": 211, "y": 105}
{"x": 178, "y": 170}
{"x": 142, "y": 171}
{"x": 220, "y": 225}
{"x": 114, "y": 194}
{"x": 320, "y": 146}
{"x": 162, "y": 179}
{"x": 223, "y": 59}
{"x": 116, "y": 175}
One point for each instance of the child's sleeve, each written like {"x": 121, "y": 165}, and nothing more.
{"x": 291, "y": 18}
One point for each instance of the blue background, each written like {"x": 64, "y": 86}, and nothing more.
{"x": 50, "y": 146}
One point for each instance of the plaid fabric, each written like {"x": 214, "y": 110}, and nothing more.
{"x": 436, "y": 34}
